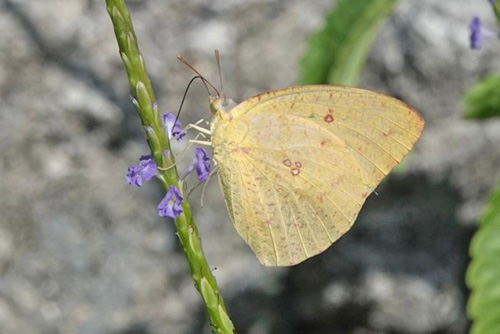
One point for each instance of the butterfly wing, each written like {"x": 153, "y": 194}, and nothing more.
{"x": 295, "y": 165}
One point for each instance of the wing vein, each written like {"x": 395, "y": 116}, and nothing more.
{"x": 301, "y": 147}
{"x": 335, "y": 204}
{"x": 308, "y": 224}
{"x": 283, "y": 223}
{"x": 269, "y": 226}
{"x": 321, "y": 221}
{"x": 298, "y": 231}
{"x": 281, "y": 215}
{"x": 375, "y": 113}
{"x": 271, "y": 98}
{"x": 331, "y": 201}
{"x": 342, "y": 189}
{"x": 282, "y": 220}
{"x": 353, "y": 130}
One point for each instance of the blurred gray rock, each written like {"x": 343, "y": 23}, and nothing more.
{"x": 81, "y": 252}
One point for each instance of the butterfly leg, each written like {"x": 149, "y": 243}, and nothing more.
{"x": 201, "y": 133}
{"x": 169, "y": 167}
{"x": 204, "y": 186}
{"x": 198, "y": 128}
{"x": 201, "y": 142}
{"x": 190, "y": 144}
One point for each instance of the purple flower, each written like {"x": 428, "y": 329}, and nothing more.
{"x": 170, "y": 205}
{"x": 202, "y": 164}
{"x": 478, "y": 33}
{"x": 144, "y": 171}
{"x": 172, "y": 127}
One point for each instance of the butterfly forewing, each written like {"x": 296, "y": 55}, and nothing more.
{"x": 297, "y": 164}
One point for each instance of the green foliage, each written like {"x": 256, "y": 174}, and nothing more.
{"x": 337, "y": 54}
{"x": 483, "y": 100}
{"x": 483, "y": 274}
{"x": 496, "y": 8}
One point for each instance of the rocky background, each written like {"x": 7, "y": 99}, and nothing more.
{"x": 81, "y": 252}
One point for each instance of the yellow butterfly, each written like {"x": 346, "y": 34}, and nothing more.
{"x": 296, "y": 164}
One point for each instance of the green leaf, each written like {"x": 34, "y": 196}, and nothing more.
{"x": 496, "y": 9}
{"x": 337, "y": 54}
{"x": 483, "y": 100}
{"x": 483, "y": 274}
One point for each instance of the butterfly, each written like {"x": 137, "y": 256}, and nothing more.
{"x": 295, "y": 165}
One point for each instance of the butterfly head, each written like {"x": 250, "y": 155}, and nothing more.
{"x": 220, "y": 103}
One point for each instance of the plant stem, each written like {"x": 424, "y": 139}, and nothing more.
{"x": 145, "y": 103}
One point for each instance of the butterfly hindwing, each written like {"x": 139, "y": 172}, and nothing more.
{"x": 297, "y": 164}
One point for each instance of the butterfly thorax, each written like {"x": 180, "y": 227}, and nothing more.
{"x": 220, "y": 107}
{"x": 227, "y": 129}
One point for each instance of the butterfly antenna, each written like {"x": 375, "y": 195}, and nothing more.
{"x": 184, "y": 61}
{"x": 217, "y": 58}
